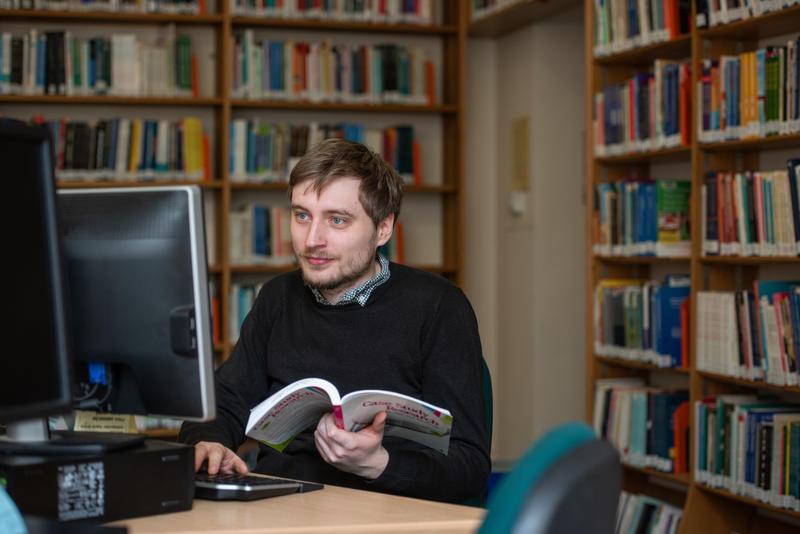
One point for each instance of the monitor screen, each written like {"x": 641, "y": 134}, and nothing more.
{"x": 35, "y": 364}
{"x": 136, "y": 270}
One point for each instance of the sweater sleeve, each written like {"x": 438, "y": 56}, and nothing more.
{"x": 452, "y": 375}
{"x": 240, "y": 383}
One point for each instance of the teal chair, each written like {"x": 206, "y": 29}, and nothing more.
{"x": 568, "y": 482}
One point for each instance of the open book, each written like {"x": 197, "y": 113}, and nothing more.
{"x": 278, "y": 419}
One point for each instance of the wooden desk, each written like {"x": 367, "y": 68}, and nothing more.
{"x": 333, "y": 509}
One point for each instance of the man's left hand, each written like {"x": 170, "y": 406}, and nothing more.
{"x": 360, "y": 453}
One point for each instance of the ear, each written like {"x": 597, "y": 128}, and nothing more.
{"x": 385, "y": 229}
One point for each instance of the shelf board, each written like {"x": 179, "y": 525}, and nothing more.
{"x": 620, "y": 362}
{"x": 748, "y": 383}
{"x": 748, "y": 260}
{"x": 641, "y": 259}
{"x": 641, "y": 157}
{"x": 682, "y": 478}
{"x": 516, "y": 15}
{"x": 755, "y": 143}
{"x": 783, "y": 21}
{"x": 340, "y": 106}
{"x": 344, "y": 26}
{"x": 677, "y": 48}
{"x": 746, "y": 500}
{"x": 214, "y": 184}
{"x": 107, "y": 16}
{"x": 111, "y": 100}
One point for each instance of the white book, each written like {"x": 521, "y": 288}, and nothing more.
{"x": 123, "y": 148}
{"x": 123, "y": 64}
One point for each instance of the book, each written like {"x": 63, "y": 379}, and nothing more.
{"x": 278, "y": 419}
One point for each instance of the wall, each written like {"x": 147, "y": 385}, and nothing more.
{"x": 524, "y": 274}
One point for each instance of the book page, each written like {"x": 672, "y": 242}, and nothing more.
{"x": 406, "y": 417}
{"x": 279, "y": 418}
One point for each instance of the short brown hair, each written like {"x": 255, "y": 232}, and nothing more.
{"x": 381, "y": 189}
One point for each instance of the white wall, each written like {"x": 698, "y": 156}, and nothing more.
{"x": 524, "y": 274}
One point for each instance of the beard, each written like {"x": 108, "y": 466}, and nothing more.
{"x": 349, "y": 271}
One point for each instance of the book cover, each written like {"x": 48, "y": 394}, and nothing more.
{"x": 279, "y": 418}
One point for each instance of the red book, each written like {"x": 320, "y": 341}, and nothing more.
{"x": 430, "y": 83}
{"x": 206, "y": 158}
{"x": 685, "y": 333}
{"x": 417, "y": 159}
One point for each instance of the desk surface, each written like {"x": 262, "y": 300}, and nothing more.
{"x": 333, "y": 509}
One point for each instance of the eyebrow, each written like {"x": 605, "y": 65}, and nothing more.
{"x": 340, "y": 212}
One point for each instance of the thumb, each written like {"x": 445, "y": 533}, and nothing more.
{"x": 379, "y": 423}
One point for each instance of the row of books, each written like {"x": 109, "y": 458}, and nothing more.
{"x": 267, "y": 152}
{"x": 712, "y": 13}
{"x": 752, "y": 334}
{"x": 750, "y": 446}
{"x": 260, "y": 235}
{"x": 649, "y": 426}
{"x": 751, "y": 213}
{"x": 642, "y": 514}
{"x": 650, "y": 111}
{"x": 753, "y": 94}
{"x": 621, "y": 25}
{"x": 327, "y": 72}
{"x": 644, "y": 321}
{"x": 130, "y": 149}
{"x": 240, "y": 301}
{"x": 57, "y": 63}
{"x": 191, "y": 7}
{"x": 375, "y": 11}
{"x": 642, "y": 218}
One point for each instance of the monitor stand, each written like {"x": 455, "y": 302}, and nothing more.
{"x": 33, "y": 436}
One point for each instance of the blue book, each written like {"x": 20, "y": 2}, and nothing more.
{"x": 232, "y": 144}
{"x": 259, "y": 228}
{"x": 276, "y": 65}
{"x": 112, "y": 144}
{"x": 663, "y": 427}
{"x": 668, "y": 325}
{"x": 251, "y": 148}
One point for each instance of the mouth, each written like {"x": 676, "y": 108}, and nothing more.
{"x": 318, "y": 260}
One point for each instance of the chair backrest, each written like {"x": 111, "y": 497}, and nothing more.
{"x": 568, "y": 481}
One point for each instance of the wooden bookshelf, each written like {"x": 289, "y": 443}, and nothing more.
{"x": 705, "y": 509}
{"x": 449, "y": 30}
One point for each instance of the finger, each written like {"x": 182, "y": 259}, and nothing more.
{"x": 200, "y": 453}
{"x": 322, "y": 447}
{"x": 214, "y": 460}
{"x": 232, "y": 463}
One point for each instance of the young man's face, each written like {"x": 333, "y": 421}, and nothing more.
{"x": 333, "y": 238}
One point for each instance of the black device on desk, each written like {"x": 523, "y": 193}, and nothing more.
{"x": 233, "y": 486}
{"x": 110, "y": 312}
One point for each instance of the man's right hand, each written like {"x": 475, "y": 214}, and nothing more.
{"x": 218, "y": 458}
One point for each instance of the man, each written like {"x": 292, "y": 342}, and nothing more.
{"x": 351, "y": 317}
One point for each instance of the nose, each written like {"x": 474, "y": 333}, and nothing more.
{"x": 315, "y": 238}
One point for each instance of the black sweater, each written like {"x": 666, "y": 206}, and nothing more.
{"x": 417, "y": 335}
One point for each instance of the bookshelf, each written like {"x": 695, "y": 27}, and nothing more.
{"x": 434, "y": 243}
{"x": 705, "y": 508}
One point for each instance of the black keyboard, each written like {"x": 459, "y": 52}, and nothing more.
{"x": 230, "y": 486}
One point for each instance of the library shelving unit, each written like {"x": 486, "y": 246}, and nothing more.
{"x": 448, "y": 30}
{"x": 705, "y": 509}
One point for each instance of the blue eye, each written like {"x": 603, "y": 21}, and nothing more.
{"x": 337, "y": 220}
{"x": 301, "y": 216}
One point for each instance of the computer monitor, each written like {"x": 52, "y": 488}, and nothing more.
{"x": 116, "y": 277}
{"x": 35, "y": 365}
{"x": 135, "y": 263}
